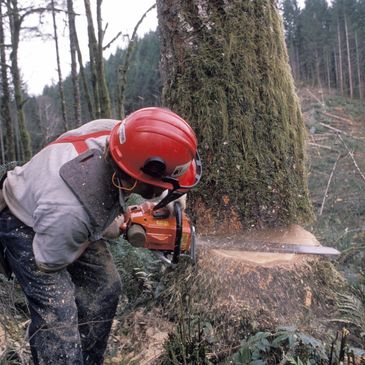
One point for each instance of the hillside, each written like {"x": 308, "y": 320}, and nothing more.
{"x": 243, "y": 308}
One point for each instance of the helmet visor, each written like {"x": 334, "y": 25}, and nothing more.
{"x": 180, "y": 187}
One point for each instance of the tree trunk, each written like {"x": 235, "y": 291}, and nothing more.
{"x": 2, "y": 147}
{"x": 5, "y": 99}
{"x": 105, "y": 107}
{"x": 74, "y": 74}
{"x": 84, "y": 80}
{"x": 15, "y": 26}
{"x": 225, "y": 69}
{"x": 340, "y": 70}
{"x": 336, "y": 68}
{"x": 328, "y": 72}
{"x": 93, "y": 49}
{"x": 122, "y": 71}
{"x": 349, "y": 58}
{"x": 359, "y": 80}
{"x": 318, "y": 69}
{"x": 60, "y": 81}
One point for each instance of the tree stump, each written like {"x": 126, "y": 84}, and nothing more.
{"x": 240, "y": 291}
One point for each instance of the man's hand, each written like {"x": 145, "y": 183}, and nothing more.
{"x": 113, "y": 231}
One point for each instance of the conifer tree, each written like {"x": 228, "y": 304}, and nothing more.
{"x": 225, "y": 69}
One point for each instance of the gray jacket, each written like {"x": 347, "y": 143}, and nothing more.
{"x": 37, "y": 195}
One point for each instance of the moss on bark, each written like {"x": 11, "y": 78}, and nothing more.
{"x": 225, "y": 70}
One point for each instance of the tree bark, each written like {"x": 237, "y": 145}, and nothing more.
{"x": 9, "y": 153}
{"x": 328, "y": 72}
{"x": 225, "y": 69}
{"x": 60, "y": 80}
{"x": 105, "y": 107}
{"x": 340, "y": 69}
{"x": 93, "y": 56}
{"x": 359, "y": 80}
{"x": 84, "y": 80}
{"x": 74, "y": 74}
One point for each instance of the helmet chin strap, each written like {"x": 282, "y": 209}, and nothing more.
{"x": 118, "y": 185}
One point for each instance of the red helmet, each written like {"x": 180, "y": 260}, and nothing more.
{"x": 157, "y": 147}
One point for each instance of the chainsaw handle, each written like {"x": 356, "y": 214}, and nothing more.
{"x": 177, "y": 248}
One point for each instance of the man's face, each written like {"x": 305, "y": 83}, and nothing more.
{"x": 147, "y": 191}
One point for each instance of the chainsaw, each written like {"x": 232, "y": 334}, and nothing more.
{"x": 170, "y": 235}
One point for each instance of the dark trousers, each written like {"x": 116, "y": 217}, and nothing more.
{"x": 72, "y": 309}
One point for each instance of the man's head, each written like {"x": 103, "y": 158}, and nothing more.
{"x": 156, "y": 149}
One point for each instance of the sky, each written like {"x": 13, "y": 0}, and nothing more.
{"x": 37, "y": 57}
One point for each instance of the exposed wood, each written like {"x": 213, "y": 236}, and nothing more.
{"x": 342, "y": 119}
{"x": 320, "y": 146}
{"x": 351, "y": 154}
{"x": 328, "y": 185}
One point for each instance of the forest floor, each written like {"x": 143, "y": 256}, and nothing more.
{"x": 266, "y": 291}
{"x": 211, "y": 314}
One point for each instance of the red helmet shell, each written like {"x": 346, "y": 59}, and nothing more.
{"x": 155, "y": 133}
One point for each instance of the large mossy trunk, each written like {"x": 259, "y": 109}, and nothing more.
{"x": 225, "y": 69}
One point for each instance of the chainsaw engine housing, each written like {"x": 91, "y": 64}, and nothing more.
{"x": 156, "y": 229}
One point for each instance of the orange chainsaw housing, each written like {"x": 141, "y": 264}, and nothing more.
{"x": 159, "y": 227}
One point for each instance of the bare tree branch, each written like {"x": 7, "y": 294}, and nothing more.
{"x": 328, "y": 184}
{"x": 352, "y": 157}
{"x": 113, "y": 40}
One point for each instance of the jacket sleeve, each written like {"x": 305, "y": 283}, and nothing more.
{"x": 61, "y": 236}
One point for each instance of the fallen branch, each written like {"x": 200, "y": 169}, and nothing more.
{"x": 335, "y": 129}
{"x": 316, "y": 98}
{"x": 320, "y": 146}
{"x": 352, "y": 157}
{"x": 328, "y": 184}
{"x": 346, "y": 120}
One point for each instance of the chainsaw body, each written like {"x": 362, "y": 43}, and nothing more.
{"x": 159, "y": 230}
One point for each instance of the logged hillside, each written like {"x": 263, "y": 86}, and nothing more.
{"x": 235, "y": 307}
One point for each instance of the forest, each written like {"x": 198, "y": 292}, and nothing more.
{"x": 325, "y": 44}
{"x": 275, "y": 93}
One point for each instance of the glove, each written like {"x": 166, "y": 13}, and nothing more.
{"x": 113, "y": 231}
{"x": 181, "y": 200}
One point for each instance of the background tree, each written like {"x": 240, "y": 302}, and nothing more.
{"x": 291, "y": 13}
{"x": 6, "y": 120}
{"x": 59, "y": 71}
{"x": 16, "y": 18}
{"x": 225, "y": 69}
{"x": 74, "y": 74}
{"x": 100, "y": 91}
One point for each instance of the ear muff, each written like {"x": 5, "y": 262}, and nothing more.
{"x": 154, "y": 167}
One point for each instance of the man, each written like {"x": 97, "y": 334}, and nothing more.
{"x": 62, "y": 203}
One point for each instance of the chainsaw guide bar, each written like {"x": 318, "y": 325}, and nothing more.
{"x": 265, "y": 247}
